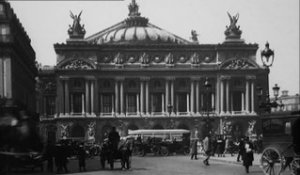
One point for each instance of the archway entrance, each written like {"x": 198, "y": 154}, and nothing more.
{"x": 77, "y": 132}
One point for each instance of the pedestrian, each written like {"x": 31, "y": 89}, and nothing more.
{"x": 49, "y": 155}
{"x": 81, "y": 157}
{"x": 248, "y": 154}
{"x": 194, "y": 150}
{"x": 207, "y": 149}
{"x": 226, "y": 146}
{"x": 241, "y": 147}
{"x": 61, "y": 158}
{"x": 114, "y": 138}
{"x": 219, "y": 147}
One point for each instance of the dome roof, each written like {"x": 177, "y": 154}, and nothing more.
{"x": 135, "y": 30}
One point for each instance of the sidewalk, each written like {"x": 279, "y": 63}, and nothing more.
{"x": 232, "y": 159}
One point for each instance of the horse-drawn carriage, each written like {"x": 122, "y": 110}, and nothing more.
{"x": 160, "y": 142}
{"x": 122, "y": 154}
{"x": 281, "y": 143}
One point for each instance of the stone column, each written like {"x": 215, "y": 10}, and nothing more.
{"x": 192, "y": 97}
{"x": 163, "y": 103}
{"x": 142, "y": 97}
{"x": 147, "y": 97}
{"x": 121, "y": 97}
{"x": 227, "y": 97}
{"x": 172, "y": 94}
{"x": 59, "y": 99}
{"x": 243, "y": 101}
{"x": 212, "y": 101}
{"x": 222, "y": 96}
{"x": 82, "y": 103}
{"x": 167, "y": 95}
{"x": 247, "y": 96}
{"x": 87, "y": 97}
{"x": 116, "y": 97}
{"x": 197, "y": 97}
{"x": 92, "y": 96}
{"x": 137, "y": 104}
{"x": 252, "y": 95}
{"x": 217, "y": 97}
{"x": 97, "y": 97}
{"x": 187, "y": 103}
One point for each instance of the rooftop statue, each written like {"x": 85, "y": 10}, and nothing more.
{"x": 76, "y": 30}
{"x": 233, "y": 21}
{"x": 233, "y": 31}
{"x": 194, "y": 36}
{"x": 133, "y": 9}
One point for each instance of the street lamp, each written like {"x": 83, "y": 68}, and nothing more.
{"x": 207, "y": 109}
{"x": 267, "y": 105}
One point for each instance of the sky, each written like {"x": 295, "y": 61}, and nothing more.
{"x": 275, "y": 21}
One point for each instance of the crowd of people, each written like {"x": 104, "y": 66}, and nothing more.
{"x": 57, "y": 155}
{"x": 220, "y": 146}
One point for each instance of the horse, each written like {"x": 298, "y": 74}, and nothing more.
{"x": 123, "y": 153}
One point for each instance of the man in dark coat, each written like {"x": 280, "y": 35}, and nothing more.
{"x": 248, "y": 154}
{"x": 194, "y": 150}
{"x": 81, "y": 157}
{"x": 114, "y": 138}
{"x": 241, "y": 149}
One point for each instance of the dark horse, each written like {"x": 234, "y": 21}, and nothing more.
{"x": 123, "y": 154}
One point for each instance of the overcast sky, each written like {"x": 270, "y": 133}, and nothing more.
{"x": 275, "y": 21}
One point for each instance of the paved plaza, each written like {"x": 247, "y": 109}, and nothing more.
{"x": 170, "y": 165}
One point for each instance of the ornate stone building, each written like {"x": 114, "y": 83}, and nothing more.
{"x": 17, "y": 62}
{"x": 135, "y": 75}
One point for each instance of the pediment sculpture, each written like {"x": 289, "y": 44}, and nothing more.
{"x": 144, "y": 58}
{"x": 77, "y": 65}
{"x": 169, "y": 59}
{"x": 195, "y": 58}
{"x": 118, "y": 60}
{"x": 238, "y": 64}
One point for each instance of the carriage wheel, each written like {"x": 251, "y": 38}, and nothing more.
{"x": 164, "y": 151}
{"x": 135, "y": 151}
{"x": 141, "y": 152}
{"x": 296, "y": 166}
{"x": 186, "y": 151}
{"x": 271, "y": 161}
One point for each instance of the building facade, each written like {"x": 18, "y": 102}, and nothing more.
{"x": 135, "y": 75}
{"x": 287, "y": 102}
{"x": 17, "y": 62}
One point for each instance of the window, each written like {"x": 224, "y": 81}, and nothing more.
{"x": 1, "y": 9}
{"x": 4, "y": 29}
{"x": 131, "y": 102}
{"x": 107, "y": 103}
{"x": 50, "y": 105}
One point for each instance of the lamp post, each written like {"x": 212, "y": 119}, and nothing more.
{"x": 267, "y": 105}
{"x": 207, "y": 107}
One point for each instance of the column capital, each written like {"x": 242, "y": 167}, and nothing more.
{"x": 145, "y": 78}
{"x": 250, "y": 77}
{"x": 196, "y": 78}
{"x": 225, "y": 77}
{"x": 90, "y": 78}
{"x": 170, "y": 78}
{"x": 119, "y": 78}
